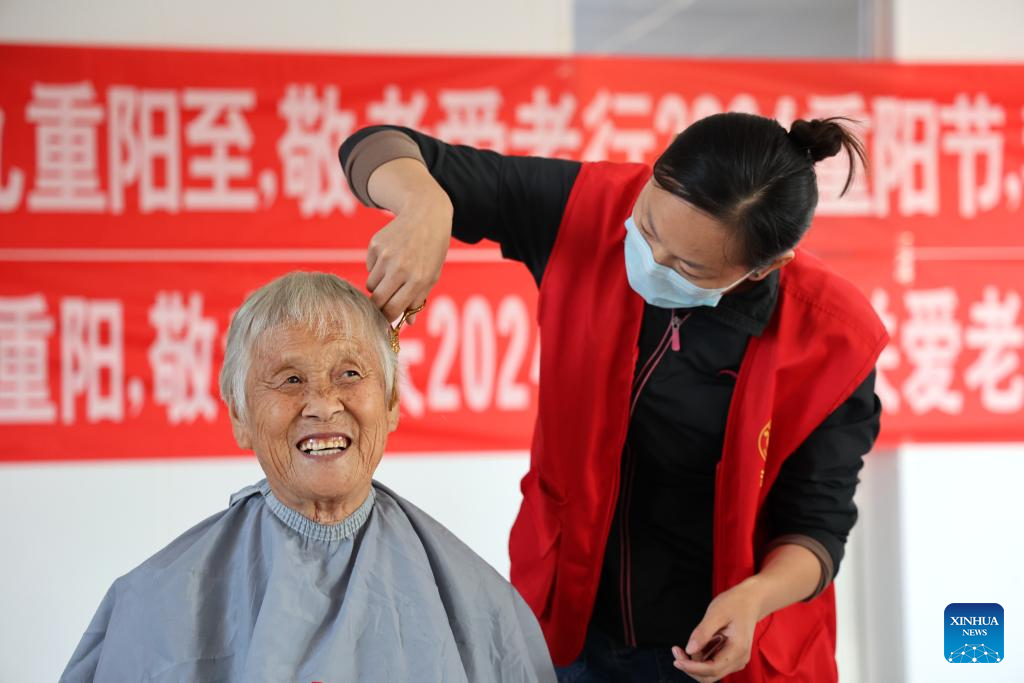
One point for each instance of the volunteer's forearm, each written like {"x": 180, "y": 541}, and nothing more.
{"x": 402, "y": 183}
{"x": 789, "y": 574}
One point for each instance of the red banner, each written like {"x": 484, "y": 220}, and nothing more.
{"x": 144, "y": 192}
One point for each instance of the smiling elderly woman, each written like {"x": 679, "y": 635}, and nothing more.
{"x": 316, "y": 573}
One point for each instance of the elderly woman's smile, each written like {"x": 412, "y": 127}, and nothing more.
{"x": 318, "y": 416}
{"x": 321, "y": 446}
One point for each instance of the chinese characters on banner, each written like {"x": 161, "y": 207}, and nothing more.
{"x": 144, "y": 193}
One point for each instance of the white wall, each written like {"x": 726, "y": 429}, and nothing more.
{"x": 958, "y": 508}
{"x": 451, "y": 26}
{"x": 961, "y": 507}
{"x": 958, "y": 31}
{"x": 61, "y": 551}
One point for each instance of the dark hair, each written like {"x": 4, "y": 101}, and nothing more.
{"x": 749, "y": 173}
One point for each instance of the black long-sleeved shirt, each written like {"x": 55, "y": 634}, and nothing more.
{"x": 656, "y": 575}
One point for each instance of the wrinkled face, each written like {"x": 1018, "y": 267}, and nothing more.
{"x": 318, "y": 417}
{"x": 689, "y": 241}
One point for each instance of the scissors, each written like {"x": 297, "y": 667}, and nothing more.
{"x": 401, "y": 321}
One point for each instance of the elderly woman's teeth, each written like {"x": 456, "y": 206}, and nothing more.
{"x": 319, "y": 446}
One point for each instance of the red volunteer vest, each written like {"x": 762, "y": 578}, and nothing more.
{"x": 821, "y": 343}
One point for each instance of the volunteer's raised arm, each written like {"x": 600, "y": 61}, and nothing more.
{"x": 437, "y": 191}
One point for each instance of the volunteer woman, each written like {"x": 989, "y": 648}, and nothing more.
{"x": 706, "y": 396}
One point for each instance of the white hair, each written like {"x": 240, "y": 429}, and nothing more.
{"x": 322, "y": 302}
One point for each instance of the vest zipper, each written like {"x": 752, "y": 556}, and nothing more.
{"x": 669, "y": 339}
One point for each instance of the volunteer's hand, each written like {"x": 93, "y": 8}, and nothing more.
{"x": 735, "y": 612}
{"x": 405, "y": 257}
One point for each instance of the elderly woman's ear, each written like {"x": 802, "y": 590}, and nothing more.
{"x": 242, "y": 436}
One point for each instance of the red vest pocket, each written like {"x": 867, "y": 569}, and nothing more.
{"x": 796, "y": 647}
{"x": 533, "y": 547}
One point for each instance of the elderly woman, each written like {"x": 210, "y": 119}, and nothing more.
{"x": 316, "y": 573}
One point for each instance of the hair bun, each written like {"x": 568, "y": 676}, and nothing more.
{"x": 821, "y": 138}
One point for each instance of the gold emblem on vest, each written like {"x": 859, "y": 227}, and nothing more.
{"x": 762, "y": 446}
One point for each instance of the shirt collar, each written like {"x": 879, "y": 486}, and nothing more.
{"x": 750, "y": 309}
{"x": 346, "y": 528}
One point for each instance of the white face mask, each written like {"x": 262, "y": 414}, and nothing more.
{"x": 660, "y": 285}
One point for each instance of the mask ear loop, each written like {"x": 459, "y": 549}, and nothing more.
{"x": 395, "y": 346}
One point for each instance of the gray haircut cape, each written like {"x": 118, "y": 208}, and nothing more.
{"x": 260, "y": 593}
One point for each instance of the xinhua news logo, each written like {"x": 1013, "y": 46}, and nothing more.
{"x": 974, "y": 633}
